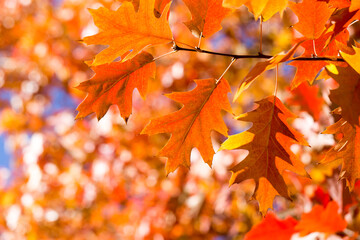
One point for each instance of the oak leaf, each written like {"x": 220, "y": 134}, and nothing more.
{"x": 128, "y": 32}
{"x": 347, "y": 95}
{"x": 264, "y": 8}
{"x": 312, "y": 15}
{"x": 353, "y": 59}
{"x": 268, "y": 142}
{"x": 191, "y": 126}
{"x": 347, "y": 150}
{"x": 206, "y": 16}
{"x": 261, "y": 67}
{"x": 307, "y": 71}
{"x": 320, "y": 219}
{"x": 114, "y": 83}
{"x": 269, "y": 226}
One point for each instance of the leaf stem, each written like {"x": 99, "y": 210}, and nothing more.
{"x": 261, "y": 33}
{"x": 164, "y": 55}
{"x": 199, "y": 44}
{"x": 222, "y": 75}
{"x": 276, "y": 79}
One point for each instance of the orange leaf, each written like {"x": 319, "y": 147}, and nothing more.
{"x": 307, "y": 97}
{"x": 264, "y": 8}
{"x": 268, "y": 142}
{"x": 191, "y": 126}
{"x": 307, "y": 71}
{"x": 321, "y": 220}
{"x": 312, "y": 16}
{"x": 347, "y": 95}
{"x": 355, "y": 5}
{"x": 347, "y": 149}
{"x": 114, "y": 83}
{"x": 269, "y": 226}
{"x": 353, "y": 59}
{"x": 261, "y": 67}
{"x": 124, "y": 30}
{"x": 206, "y": 16}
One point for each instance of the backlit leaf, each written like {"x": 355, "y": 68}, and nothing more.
{"x": 124, "y": 30}
{"x": 312, "y": 16}
{"x": 347, "y": 150}
{"x": 268, "y": 142}
{"x": 206, "y": 16}
{"x": 191, "y": 126}
{"x": 114, "y": 83}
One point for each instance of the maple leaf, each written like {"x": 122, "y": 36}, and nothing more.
{"x": 347, "y": 95}
{"x": 347, "y": 150}
{"x": 321, "y": 220}
{"x": 268, "y": 142}
{"x": 114, "y": 83}
{"x": 306, "y": 71}
{"x": 312, "y": 16}
{"x": 190, "y": 127}
{"x": 206, "y": 16}
{"x": 128, "y": 32}
{"x": 353, "y": 59}
{"x": 261, "y": 67}
{"x": 269, "y": 226}
{"x": 264, "y": 8}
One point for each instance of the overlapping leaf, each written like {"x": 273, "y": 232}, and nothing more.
{"x": 268, "y": 142}
{"x": 307, "y": 71}
{"x": 264, "y": 8}
{"x": 312, "y": 16}
{"x": 269, "y": 226}
{"x": 114, "y": 83}
{"x": 127, "y": 32}
{"x": 261, "y": 67}
{"x": 191, "y": 126}
{"x": 353, "y": 59}
{"x": 320, "y": 219}
{"x": 347, "y": 150}
{"x": 206, "y": 16}
{"x": 347, "y": 95}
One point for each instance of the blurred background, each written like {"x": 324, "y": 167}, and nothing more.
{"x": 90, "y": 179}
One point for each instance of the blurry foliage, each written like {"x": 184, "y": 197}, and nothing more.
{"x": 89, "y": 179}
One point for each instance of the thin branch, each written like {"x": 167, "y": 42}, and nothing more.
{"x": 259, "y": 55}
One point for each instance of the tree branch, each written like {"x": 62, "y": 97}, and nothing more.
{"x": 259, "y": 55}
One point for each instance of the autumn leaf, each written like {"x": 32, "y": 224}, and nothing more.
{"x": 347, "y": 150}
{"x": 268, "y": 142}
{"x": 114, "y": 83}
{"x": 127, "y": 32}
{"x": 347, "y": 95}
{"x": 190, "y": 127}
{"x": 312, "y": 15}
{"x": 326, "y": 220}
{"x": 353, "y": 59}
{"x": 306, "y": 71}
{"x": 264, "y": 8}
{"x": 355, "y": 5}
{"x": 307, "y": 97}
{"x": 261, "y": 67}
{"x": 271, "y": 225}
{"x": 206, "y": 16}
